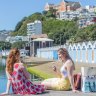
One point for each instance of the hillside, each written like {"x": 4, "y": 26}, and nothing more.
{"x": 59, "y": 30}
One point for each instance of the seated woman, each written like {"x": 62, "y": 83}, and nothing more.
{"x": 66, "y": 73}
{"x": 18, "y": 77}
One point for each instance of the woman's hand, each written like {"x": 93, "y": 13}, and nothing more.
{"x": 2, "y": 94}
{"x": 75, "y": 91}
{"x": 54, "y": 68}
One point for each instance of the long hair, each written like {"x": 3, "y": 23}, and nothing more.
{"x": 12, "y": 59}
{"x": 64, "y": 51}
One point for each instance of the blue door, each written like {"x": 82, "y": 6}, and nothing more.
{"x": 78, "y": 55}
{"x": 90, "y": 55}
{"x": 55, "y": 54}
{"x": 83, "y": 55}
{"x": 95, "y": 55}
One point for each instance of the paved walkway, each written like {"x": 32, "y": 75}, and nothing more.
{"x": 59, "y": 93}
{"x": 65, "y": 93}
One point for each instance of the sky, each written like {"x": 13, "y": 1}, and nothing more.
{"x": 12, "y": 11}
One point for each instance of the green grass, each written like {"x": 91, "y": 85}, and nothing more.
{"x": 2, "y": 68}
{"x": 39, "y": 73}
{"x": 4, "y": 57}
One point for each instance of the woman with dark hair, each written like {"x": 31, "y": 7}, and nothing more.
{"x": 18, "y": 77}
{"x": 65, "y": 82}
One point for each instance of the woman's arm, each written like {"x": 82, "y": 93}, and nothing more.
{"x": 8, "y": 84}
{"x": 70, "y": 74}
{"x": 70, "y": 70}
{"x": 57, "y": 72}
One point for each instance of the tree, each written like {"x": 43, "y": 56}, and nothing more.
{"x": 51, "y": 13}
{"x": 19, "y": 44}
{"x": 19, "y": 24}
{"x": 5, "y": 45}
{"x": 44, "y": 12}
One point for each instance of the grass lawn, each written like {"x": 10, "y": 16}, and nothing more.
{"x": 44, "y": 70}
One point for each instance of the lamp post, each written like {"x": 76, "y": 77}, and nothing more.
{"x": 33, "y": 48}
{"x": 60, "y": 38}
{"x": 29, "y": 45}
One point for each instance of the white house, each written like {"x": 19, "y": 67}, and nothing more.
{"x": 34, "y": 28}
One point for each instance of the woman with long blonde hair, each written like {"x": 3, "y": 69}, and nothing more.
{"x": 65, "y": 82}
{"x": 18, "y": 77}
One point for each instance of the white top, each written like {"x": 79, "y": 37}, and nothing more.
{"x": 63, "y": 68}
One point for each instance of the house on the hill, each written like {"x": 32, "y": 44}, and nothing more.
{"x": 63, "y": 6}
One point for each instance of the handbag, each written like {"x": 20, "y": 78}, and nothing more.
{"x": 77, "y": 81}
